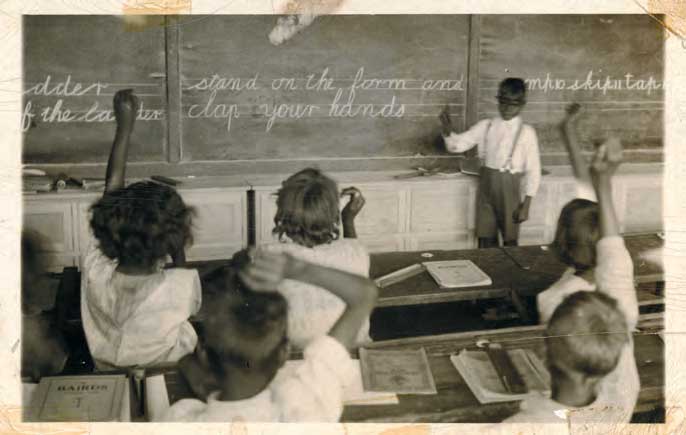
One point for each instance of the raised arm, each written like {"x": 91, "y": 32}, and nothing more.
{"x": 571, "y": 141}
{"x": 614, "y": 272}
{"x": 125, "y": 108}
{"x": 351, "y": 210}
{"x": 359, "y": 294}
{"x": 459, "y": 143}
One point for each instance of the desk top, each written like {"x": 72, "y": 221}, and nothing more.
{"x": 507, "y": 276}
{"x": 454, "y": 402}
{"x": 420, "y": 289}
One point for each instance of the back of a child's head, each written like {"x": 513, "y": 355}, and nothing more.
{"x": 307, "y": 209}
{"x": 512, "y": 87}
{"x": 141, "y": 224}
{"x": 577, "y": 234}
{"x": 246, "y": 329}
{"x": 586, "y": 335}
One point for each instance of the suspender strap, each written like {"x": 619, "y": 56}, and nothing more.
{"x": 508, "y": 163}
{"x": 488, "y": 129}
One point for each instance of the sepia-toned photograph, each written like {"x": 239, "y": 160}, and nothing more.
{"x": 427, "y": 218}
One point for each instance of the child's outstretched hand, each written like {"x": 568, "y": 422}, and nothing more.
{"x": 266, "y": 270}
{"x": 607, "y": 159}
{"x": 125, "y": 107}
{"x": 354, "y": 206}
{"x": 446, "y": 122}
{"x": 572, "y": 115}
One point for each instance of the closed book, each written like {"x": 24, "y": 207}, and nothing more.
{"x": 396, "y": 371}
{"x": 490, "y": 385}
{"x": 96, "y": 398}
{"x": 457, "y": 273}
{"x": 37, "y": 183}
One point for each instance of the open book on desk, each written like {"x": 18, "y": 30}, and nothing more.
{"x": 161, "y": 391}
{"x": 490, "y": 383}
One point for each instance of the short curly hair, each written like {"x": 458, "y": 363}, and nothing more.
{"x": 586, "y": 334}
{"x": 307, "y": 209}
{"x": 244, "y": 328}
{"x": 577, "y": 233}
{"x": 141, "y": 224}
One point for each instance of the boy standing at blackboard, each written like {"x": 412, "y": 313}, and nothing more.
{"x": 511, "y": 168}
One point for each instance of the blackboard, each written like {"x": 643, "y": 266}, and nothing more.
{"x": 210, "y": 86}
{"x": 612, "y": 65}
{"x": 73, "y": 65}
{"x": 402, "y": 69}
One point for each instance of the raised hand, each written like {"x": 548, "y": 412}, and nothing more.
{"x": 607, "y": 159}
{"x": 266, "y": 270}
{"x": 572, "y": 112}
{"x": 446, "y": 122}
{"x": 125, "y": 107}
{"x": 355, "y": 205}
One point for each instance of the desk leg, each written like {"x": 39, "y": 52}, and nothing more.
{"x": 520, "y": 305}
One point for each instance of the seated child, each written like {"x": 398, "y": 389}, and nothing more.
{"x": 246, "y": 345}
{"x": 307, "y": 222}
{"x": 590, "y": 350}
{"x": 44, "y": 351}
{"x": 578, "y": 229}
{"x": 135, "y": 313}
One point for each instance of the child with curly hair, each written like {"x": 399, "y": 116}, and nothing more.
{"x": 307, "y": 223}
{"x": 135, "y": 312}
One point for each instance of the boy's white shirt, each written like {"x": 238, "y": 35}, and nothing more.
{"x": 312, "y": 393}
{"x": 497, "y": 148}
{"x": 618, "y": 391}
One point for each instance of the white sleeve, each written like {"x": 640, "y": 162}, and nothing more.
{"x": 532, "y": 172}
{"x": 461, "y": 142}
{"x": 185, "y": 410}
{"x": 196, "y": 294}
{"x": 584, "y": 190}
{"x": 614, "y": 275}
{"x": 314, "y": 393}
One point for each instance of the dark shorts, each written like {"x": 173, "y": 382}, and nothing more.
{"x": 497, "y": 200}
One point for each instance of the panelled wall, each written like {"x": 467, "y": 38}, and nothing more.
{"x": 62, "y": 223}
{"x": 439, "y": 213}
{"x": 416, "y": 214}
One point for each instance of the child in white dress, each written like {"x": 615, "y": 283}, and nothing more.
{"x": 135, "y": 313}
{"x": 307, "y": 223}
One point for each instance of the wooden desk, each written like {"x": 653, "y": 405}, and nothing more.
{"x": 507, "y": 276}
{"x": 545, "y": 268}
{"x": 422, "y": 289}
{"x": 454, "y": 402}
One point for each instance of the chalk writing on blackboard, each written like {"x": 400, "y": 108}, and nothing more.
{"x": 359, "y": 96}
{"x": 60, "y": 111}
{"x": 594, "y": 83}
